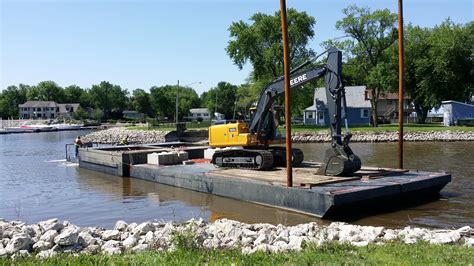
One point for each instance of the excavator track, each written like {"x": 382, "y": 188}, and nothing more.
{"x": 243, "y": 158}
{"x": 279, "y": 156}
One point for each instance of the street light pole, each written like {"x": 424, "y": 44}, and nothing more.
{"x": 177, "y": 101}
{"x": 177, "y": 98}
{"x": 215, "y": 106}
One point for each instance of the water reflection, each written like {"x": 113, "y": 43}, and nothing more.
{"x": 168, "y": 200}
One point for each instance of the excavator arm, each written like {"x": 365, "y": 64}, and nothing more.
{"x": 340, "y": 160}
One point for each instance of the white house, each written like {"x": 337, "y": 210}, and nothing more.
{"x": 199, "y": 113}
{"x": 46, "y": 109}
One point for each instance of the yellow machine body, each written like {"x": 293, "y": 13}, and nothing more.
{"x": 228, "y": 135}
{"x": 235, "y": 134}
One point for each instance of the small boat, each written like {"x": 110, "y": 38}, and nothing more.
{"x": 67, "y": 126}
{"x": 38, "y": 128}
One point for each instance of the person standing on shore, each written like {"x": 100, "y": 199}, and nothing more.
{"x": 77, "y": 144}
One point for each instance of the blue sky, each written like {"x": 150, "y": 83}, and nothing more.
{"x": 138, "y": 44}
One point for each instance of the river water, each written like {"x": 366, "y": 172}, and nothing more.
{"x": 37, "y": 184}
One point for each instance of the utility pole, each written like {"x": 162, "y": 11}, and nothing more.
{"x": 215, "y": 106}
{"x": 400, "y": 84}
{"x": 286, "y": 67}
{"x": 177, "y": 101}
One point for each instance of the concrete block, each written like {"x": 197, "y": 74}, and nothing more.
{"x": 182, "y": 156}
{"x": 163, "y": 158}
{"x": 152, "y": 158}
{"x": 174, "y": 159}
{"x": 208, "y": 153}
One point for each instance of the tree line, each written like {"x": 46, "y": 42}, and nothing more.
{"x": 438, "y": 66}
{"x": 112, "y": 99}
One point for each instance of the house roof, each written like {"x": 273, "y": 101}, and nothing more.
{"x": 130, "y": 112}
{"x": 451, "y": 102}
{"x": 39, "y": 104}
{"x": 355, "y": 97}
{"x": 198, "y": 110}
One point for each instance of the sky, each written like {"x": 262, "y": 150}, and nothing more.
{"x": 144, "y": 43}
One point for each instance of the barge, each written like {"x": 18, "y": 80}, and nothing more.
{"x": 313, "y": 194}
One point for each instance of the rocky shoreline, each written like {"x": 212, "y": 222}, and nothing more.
{"x": 387, "y": 136}
{"x": 52, "y": 237}
{"x": 114, "y": 135}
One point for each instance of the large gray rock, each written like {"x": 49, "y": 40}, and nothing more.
{"x": 49, "y": 236}
{"x": 85, "y": 239}
{"x": 112, "y": 247}
{"x": 51, "y": 224}
{"x": 445, "y": 237}
{"x": 3, "y": 252}
{"x": 91, "y": 249}
{"x": 111, "y": 235}
{"x": 120, "y": 226}
{"x": 129, "y": 242}
{"x": 143, "y": 228}
{"x": 68, "y": 236}
{"x": 42, "y": 245}
{"x": 19, "y": 242}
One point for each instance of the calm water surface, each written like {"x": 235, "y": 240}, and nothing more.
{"x": 36, "y": 184}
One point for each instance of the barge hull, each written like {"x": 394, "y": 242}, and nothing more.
{"x": 312, "y": 194}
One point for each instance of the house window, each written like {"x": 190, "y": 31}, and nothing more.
{"x": 321, "y": 116}
{"x": 364, "y": 113}
{"x": 310, "y": 115}
{"x": 206, "y": 114}
{"x": 389, "y": 102}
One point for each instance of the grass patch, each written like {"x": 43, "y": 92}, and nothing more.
{"x": 393, "y": 253}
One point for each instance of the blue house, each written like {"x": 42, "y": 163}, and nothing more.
{"x": 358, "y": 107}
{"x": 453, "y": 111}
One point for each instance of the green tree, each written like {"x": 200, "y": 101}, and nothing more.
{"x": 140, "y": 101}
{"x": 260, "y": 44}
{"x": 371, "y": 33}
{"x": 80, "y": 114}
{"x": 10, "y": 98}
{"x": 163, "y": 101}
{"x": 224, "y": 95}
{"x": 439, "y": 65}
{"x": 48, "y": 91}
{"x": 73, "y": 93}
{"x": 108, "y": 97}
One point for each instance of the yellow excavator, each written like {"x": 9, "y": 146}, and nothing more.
{"x": 251, "y": 146}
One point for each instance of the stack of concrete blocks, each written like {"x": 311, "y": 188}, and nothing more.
{"x": 167, "y": 158}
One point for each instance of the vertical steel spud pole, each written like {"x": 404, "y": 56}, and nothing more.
{"x": 400, "y": 84}
{"x": 286, "y": 67}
